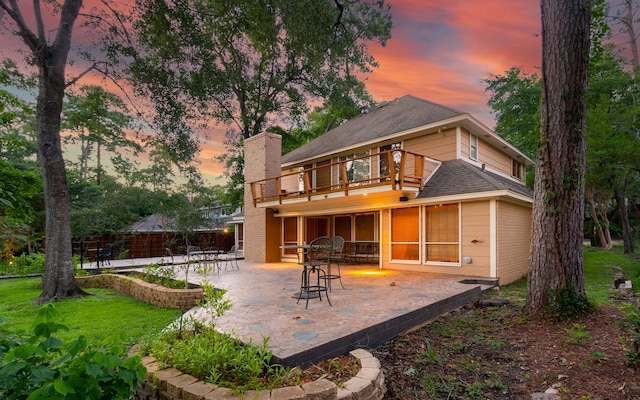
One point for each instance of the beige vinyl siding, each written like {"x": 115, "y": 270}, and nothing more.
{"x": 441, "y": 146}
{"x": 514, "y": 241}
{"x": 475, "y": 238}
{"x": 464, "y": 143}
{"x": 493, "y": 157}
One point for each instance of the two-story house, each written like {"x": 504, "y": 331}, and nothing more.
{"x": 420, "y": 186}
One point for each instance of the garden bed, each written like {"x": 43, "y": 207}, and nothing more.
{"x": 151, "y": 293}
{"x": 172, "y": 384}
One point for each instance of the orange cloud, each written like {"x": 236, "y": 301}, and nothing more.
{"x": 440, "y": 51}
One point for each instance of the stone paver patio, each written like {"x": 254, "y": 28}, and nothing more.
{"x": 374, "y": 306}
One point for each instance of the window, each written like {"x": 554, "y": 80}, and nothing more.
{"x": 316, "y": 227}
{"x": 365, "y": 228}
{"x": 290, "y": 233}
{"x": 473, "y": 147}
{"x": 357, "y": 168}
{"x": 405, "y": 234}
{"x": 516, "y": 169}
{"x": 385, "y": 169}
{"x": 342, "y": 227}
{"x": 442, "y": 237}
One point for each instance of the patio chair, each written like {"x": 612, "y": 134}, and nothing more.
{"x": 336, "y": 257}
{"x": 194, "y": 256}
{"x": 169, "y": 253}
{"x": 104, "y": 255}
{"x": 231, "y": 257}
{"x": 319, "y": 254}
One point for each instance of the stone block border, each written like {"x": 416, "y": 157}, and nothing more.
{"x": 183, "y": 299}
{"x": 171, "y": 384}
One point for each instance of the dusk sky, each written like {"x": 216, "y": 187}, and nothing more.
{"x": 440, "y": 51}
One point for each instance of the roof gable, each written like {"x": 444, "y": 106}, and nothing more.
{"x": 398, "y": 115}
{"x": 459, "y": 177}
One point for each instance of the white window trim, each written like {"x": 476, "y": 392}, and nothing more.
{"x": 473, "y": 137}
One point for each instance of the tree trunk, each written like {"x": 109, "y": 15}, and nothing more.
{"x": 58, "y": 281}
{"x": 98, "y": 165}
{"x": 601, "y": 223}
{"x": 556, "y": 261}
{"x": 628, "y": 20}
{"x": 621, "y": 199}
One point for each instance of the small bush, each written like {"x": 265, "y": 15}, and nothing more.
{"x": 568, "y": 303}
{"x": 23, "y": 264}
{"x": 43, "y": 367}
{"x": 162, "y": 275}
{"x": 218, "y": 358}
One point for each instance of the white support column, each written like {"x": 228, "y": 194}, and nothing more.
{"x": 493, "y": 238}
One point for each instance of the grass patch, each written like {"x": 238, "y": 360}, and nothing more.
{"x": 106, "y": 318}
{"x": 599, "y": 270}
{"x": 598, "y": 275}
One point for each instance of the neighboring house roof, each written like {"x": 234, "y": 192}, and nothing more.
{"x": 153, "y": 223}
{"x": 398, "y": 115}
{"x": 160, "y": 223}
{"x": 456, "y": 177}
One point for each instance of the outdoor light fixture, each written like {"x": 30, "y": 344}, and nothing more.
{"x": 468, "y": 260}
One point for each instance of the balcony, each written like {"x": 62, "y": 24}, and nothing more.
{"x": 385, "y": 172}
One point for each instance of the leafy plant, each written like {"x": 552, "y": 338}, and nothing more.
{"x": 214, "y": 302}
{"x": 430, "y": 354}
{"x": 567, "y": 303}
{"x": 22, "y": 265}
{"x": 162, "y": 275}
{"x": 631, "y": 320}
{"x": 42, "y": 366}
{"x": 577, "y": 334}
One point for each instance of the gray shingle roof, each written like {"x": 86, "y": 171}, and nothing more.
{"x": 398, "y": 115}
{"x": 152, "y": 223}
{"x": 459, "y": 177}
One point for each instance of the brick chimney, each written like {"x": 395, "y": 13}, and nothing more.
{"x": 262, "y": 159}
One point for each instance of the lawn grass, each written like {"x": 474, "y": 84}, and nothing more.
{"x": 598, "y": 275}
{"x": 106, "y": 318}
{"x": 599, "y": 271}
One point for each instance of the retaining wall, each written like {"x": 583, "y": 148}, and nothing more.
{"x": 171, "y": 384}
{"x": 160, "y": 296}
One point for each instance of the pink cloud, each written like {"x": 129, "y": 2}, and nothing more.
{"x": 439, "y": 51}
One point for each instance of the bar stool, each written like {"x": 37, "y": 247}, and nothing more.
{"x": 319, "y": 254}
{"x": 336, "y": 257}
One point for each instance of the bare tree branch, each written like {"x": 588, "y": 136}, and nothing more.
{"x": 39, "y": 21}
{"x": 23, "y": 31}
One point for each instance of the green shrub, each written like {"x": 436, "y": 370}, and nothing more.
{"x": 568, "y": 303}
{"x": 23, "y": 264}
{"x": 43, "y": 367}
{"x": 161, "y": 275}
{"x": 218, "y": 358}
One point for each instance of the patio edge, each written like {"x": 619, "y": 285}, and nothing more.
{"x": 381, "y": 333}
